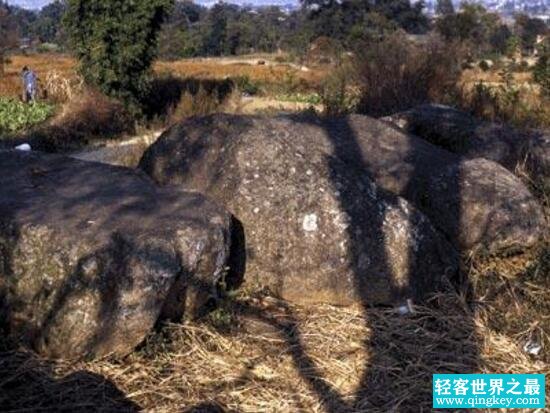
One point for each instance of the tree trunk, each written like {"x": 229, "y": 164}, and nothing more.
{"x": 2, "y": 60}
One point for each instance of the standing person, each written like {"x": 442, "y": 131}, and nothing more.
{"x": 29, "y": 84}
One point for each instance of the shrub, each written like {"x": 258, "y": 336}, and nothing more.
{"x": 339, "y": 93}
{"x": 506, "y": 102}
{"x": 245, "y": 85}
{"x": 116, "y": 43}
{"x": 541, "y": 71}
{"x": 60, "y": 88}
{"x": 395, "y": 74}
{"x": 87, "y": 117}
{"x": 16, "y": 116}
{"x": 172, "y": 96}
{"x": 485, "y": 65}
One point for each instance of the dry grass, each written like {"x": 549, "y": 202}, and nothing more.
{"x": 43, "y": 64}
{"x": 270, "y": 76}
{"x": 89, "y": 116}
{"x": 492, "y": 77}
{"x": 486, "y": 95}
{"x": 258, "y": 354}
{"x": 216, "y": 69}
{"x": 180, "y": 89}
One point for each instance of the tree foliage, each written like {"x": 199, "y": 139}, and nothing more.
{"x": 528, "y": 29}
{"x": 42, "y": 25}
{"x": 541, "y": 71}
{"x": 474, "y": 24}
{"x": 116, "y": 42}
{"x": 226, "y": 29}
{"x": 444, "y": 7}
{"x": 350, "y": 20}
{"x": 8, "y": 33}
{"x": 47, "y": 26}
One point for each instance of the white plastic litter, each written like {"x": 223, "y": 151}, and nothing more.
{"x": 532, "y": 347}
{"x": 24, "y": 147}
{"x": 407, "y": 308}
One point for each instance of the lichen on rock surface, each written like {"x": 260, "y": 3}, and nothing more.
{"x": 92, "y": 255}
{"x": 318, "y": 229}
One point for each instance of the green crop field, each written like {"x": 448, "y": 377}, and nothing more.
{"x": 16, "y": 116}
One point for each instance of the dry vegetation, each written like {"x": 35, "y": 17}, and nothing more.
{"x": 272, "y": 75}
{"x": 180, "y": 89}
{"x": 257, "y": 354}
{"x": 503, "y": 94}
{"x": 43, "y": 64}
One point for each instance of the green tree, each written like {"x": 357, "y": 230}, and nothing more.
{"x": 541, "y": 71}
{"x": 180, "y": 36}
{"x": 472, "y": 24}
{"x": 115, "y": 42}
{"x": 349, "y": 20}
{"x": 215, "y": 41}
{"x": 444, "y": 7}
{"x": 47, "y": 26}
{"x": 528, "y": 28}
{"x": 8, "y": 33}
{"x": 499, "y": 39}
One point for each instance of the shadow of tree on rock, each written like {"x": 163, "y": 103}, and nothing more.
{"x": 404, "y": 349}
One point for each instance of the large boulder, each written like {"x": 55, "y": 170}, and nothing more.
{"x": 92, "y": 255}
{"x": 276, "y": 167}
{"x": 461, "y": 133}
{"x": 317, "y": 229}
{"x": 477, "y": 203}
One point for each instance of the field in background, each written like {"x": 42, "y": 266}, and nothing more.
{"x": 42, "y": 64}
{"x": 272, "y": 84}
{"x": 271, "y": 74}
{"x": 249, "y": 84}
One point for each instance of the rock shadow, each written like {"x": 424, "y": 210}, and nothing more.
{"x": 415, "y": 354}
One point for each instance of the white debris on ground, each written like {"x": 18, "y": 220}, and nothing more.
{"x": 532, "y": 347}
{"x": 407, "y": 308}
{"x": 25, "y": 147}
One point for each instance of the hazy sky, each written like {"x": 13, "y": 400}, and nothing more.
{"x": 30, "y": 4}
{"x": 37, "y": 4}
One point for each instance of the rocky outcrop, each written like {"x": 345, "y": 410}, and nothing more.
{"x": 280, "y": 167}
{"x": 477, "y": 203}
{"x": 461, "y": 133}
{"x": 317, "y": 228}
{"x": 92, "y": 255}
